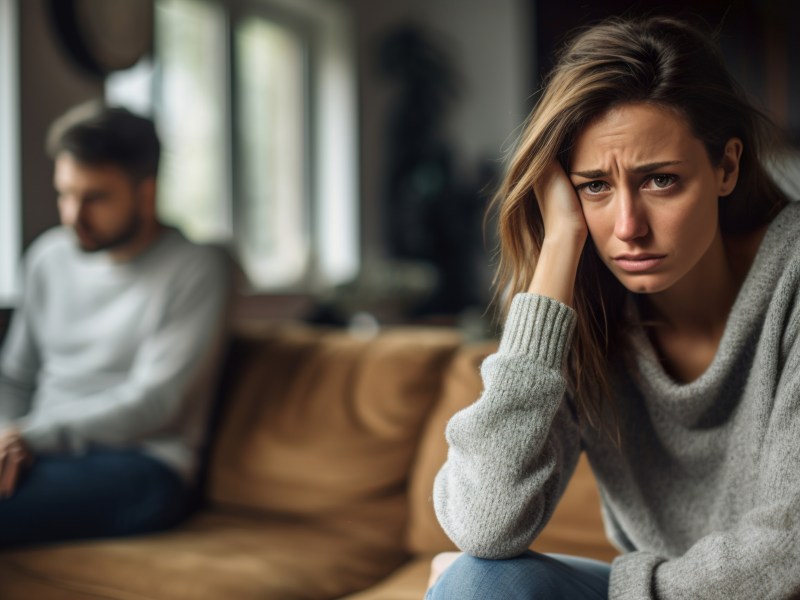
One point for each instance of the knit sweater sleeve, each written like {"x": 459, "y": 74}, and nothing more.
{"x": 759, "y": 557}
{"x": 512, "y": 452}
{"x": 153, "y": 398}
{"x": 19, "y": 364}
{"x": 20, "y": 359}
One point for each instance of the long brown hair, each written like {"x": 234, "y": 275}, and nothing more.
{"x": 657, "y": 60}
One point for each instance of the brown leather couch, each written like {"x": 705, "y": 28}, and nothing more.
{"x": 319, "y": 481}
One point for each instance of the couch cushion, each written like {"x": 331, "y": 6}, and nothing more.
{"x": 576, "y": 526}
{"x": 321, "y": 423}
{"x": 214, "y": 556}
{"x": 323, "y": 427}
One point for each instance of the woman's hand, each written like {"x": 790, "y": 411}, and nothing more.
{"x": 565, "y": 235}
{"x": 561, "y": 210}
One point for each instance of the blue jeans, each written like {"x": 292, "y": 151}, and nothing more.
{"x": 531, "y": 576}
{"x": 99, "y": 494}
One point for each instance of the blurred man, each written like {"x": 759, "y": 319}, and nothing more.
{"x": 106, "y": 371}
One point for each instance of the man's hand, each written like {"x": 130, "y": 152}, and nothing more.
{"x": 15, "y": 456}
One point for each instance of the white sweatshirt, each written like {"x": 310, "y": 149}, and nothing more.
{"x": 102, "y": 353}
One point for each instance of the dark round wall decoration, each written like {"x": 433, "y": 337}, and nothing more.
{"x": 102, "y": 36}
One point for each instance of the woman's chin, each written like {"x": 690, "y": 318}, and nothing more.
{"x": 649, "y": 284}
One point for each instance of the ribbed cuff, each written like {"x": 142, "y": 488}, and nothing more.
{"x": 540, "y": 327}
{"x": 42, "y": 438}
{"x": 632, "y": 576}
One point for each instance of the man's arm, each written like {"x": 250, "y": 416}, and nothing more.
{"x": 19, "y": 365}
{"x": 151, "y": 399}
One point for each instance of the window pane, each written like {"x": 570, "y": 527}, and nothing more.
{"x": 271, "y": 157}
{"x": 335, "y": 152}
{"x": 191, "y": 109}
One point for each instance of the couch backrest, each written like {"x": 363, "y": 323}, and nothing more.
{"x": 320, "y": 425}
{"x": 349, "y": 433}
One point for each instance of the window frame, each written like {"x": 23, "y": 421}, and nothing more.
{"x": 10, "y": 197}
{"x": 334, "y": 201}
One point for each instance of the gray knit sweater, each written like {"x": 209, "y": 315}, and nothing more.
{"x": 703, "y": 498}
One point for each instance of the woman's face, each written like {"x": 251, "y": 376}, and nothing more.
{"x": 649, "y": 194}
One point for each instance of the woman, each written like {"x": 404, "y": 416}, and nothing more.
{"x": 654, "y": 272}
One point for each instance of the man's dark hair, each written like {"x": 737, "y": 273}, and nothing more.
{"x": 96, "y": 134}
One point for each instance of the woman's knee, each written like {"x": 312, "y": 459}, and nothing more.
{"x": 530, "y": 576}
{"x": 471, "y": 578}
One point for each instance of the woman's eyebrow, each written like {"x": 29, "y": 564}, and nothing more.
{"x": 644, "y": 168}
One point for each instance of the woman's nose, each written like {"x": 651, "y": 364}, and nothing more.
{"x": 631, "y": 219}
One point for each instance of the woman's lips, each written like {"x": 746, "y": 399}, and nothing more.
{"x": 638, "y": 263}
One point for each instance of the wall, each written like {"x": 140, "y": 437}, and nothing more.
{"x": 49, "y": 85}
{"x": 491, "y": 43}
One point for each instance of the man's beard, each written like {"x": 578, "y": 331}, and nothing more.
{"x": 89, "y": 242}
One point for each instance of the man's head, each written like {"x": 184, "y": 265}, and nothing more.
{"x": 106, "y": 161}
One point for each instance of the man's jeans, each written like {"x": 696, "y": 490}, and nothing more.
{"x": 531, "y": 576}
{"x": 99, "y": 494}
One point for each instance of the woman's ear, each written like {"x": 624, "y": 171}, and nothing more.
{"x": 728, "y": 168}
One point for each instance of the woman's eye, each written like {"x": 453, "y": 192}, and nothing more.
{"x": 593, "y": 187}
{"x": 662, "y": 181}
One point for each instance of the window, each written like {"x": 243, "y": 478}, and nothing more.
{"x": 10, "y": 232}
{"x": 255, "y": 103}
{"x": 191, "y": 110}
{"x": 270, "y": 86}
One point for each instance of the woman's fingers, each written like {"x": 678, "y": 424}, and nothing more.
{"x": 565, "y": 235}
{"x": 558, "y": 202}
